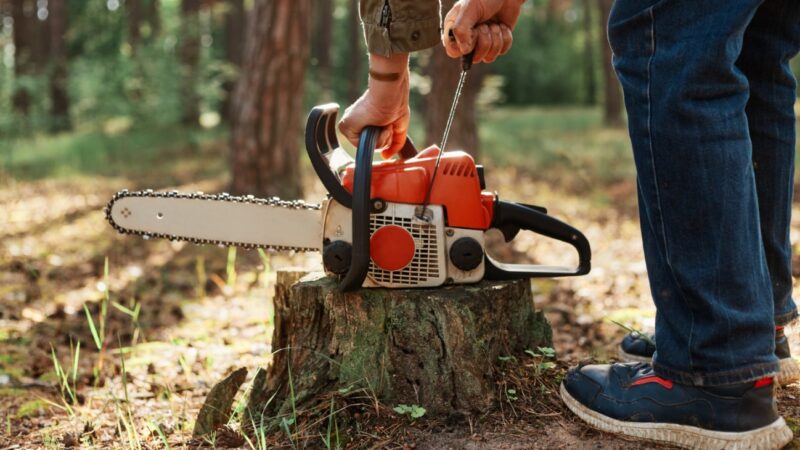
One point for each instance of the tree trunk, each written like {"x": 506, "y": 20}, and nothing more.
{"x": 234, "y": 43}
{"x": 134, "y": 23}
{"x": 588, "y": 53}
{"x": 189, "y": 53}
{"x": 268, "y": 100}
{"x": 21, "y": 12}
{"x": 153, "y": 18}
{"x": 437, "y": 348}
{"x": 40, "y": 37}
{"x": 355, "y": 85}
{"x": 59, "y": 76}
{"x": 612, "y": 105}
{"x": 321, "y": 49}
{"x": 444, "y": 73}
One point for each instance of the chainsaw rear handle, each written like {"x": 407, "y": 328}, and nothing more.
{"x": 361, "y": 206}
{"x": 327, "y": 157}
{"x": 510, "y": 218}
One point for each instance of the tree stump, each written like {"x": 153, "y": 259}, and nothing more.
{"x": 436, "y": 348}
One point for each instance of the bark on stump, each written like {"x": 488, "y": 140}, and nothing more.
{"x": 437, "y": 348}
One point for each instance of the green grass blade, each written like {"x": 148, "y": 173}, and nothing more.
{"x": 124, "y": 371}
{"x": 97, "y": 341}
{"x": 75, "y": 362}
{"x": 106, "y": 299}
{"x": 230, "y": 269}
{"x": 634, "y": 330}
{"x": 161, "y": 435}
{"x": 124, "y": 310}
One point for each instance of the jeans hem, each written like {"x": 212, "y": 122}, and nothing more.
{"x": 742, "y": 375}
{"x": 786, "y": 319}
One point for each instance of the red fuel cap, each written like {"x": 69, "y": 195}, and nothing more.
{"x": 392, "y": 247}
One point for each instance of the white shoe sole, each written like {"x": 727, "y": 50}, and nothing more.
{"x": 771, "y": 437}
{"x": 789, "y": 371}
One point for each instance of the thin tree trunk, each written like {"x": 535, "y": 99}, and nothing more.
{"x": 268, "y": 100}
{"x": 21, "y": 11}
{"x": 588, "y": 53}
{"x": 40, "y": 37}
{"x": 59, "y": 76}
{"x": 612, "y": 105}
{"x": 355, "y": 85}
{"x": 444, "y": 73}
{"x": 189, "y": 53}
{"x": 134, "y": 23}
{"x": 153, "y": 18}
{"x": 235, "y": 21}
{"x": 323, "y": 35}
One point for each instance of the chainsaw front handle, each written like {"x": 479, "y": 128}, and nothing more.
{"x": 510, "y": 218}
{"x": 362, "y": 186}
{"x": 327, "y": 157}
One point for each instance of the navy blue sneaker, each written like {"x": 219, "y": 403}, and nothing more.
{"x": 630, "y": 399}
{"x": 638, "y": 347}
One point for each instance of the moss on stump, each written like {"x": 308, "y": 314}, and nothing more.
{"x": 437, "y": 348}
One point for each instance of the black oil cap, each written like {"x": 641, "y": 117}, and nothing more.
{"x": 336, "y": 257}
{"x": 466, "y": 253}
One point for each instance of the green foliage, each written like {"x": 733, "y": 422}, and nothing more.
{"x": 547, "y": 352}
{"x": 110, "y": 79}
{"x": 413, "y": 411}
{"x": 30, "y": 408}
{"x": 555, "y": 59}
{"x": 547, "y": 63}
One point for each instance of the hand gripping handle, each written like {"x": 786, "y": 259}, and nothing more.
{"x": 327, "y": 157}
{"x": 510, "y": 218}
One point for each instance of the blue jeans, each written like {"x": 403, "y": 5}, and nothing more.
{"x": 710, "y": 99}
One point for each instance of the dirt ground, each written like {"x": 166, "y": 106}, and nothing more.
{"x": 170, "y": 320}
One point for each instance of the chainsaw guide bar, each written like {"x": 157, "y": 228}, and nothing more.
{"x": 281, "y": 206}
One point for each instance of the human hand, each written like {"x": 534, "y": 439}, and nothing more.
{"x": 481, "y": 25}
{"x": 384, "y": 104}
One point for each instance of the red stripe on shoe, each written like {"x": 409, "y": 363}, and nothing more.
{"x": 652, "y": 379}
{"x": 766, "y": 381}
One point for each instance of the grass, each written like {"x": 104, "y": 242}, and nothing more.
{"x": 99, "y": 152}
{"x": 30, "y": 408}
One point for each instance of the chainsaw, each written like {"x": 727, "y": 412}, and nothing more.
{"x": 392, "y": 223}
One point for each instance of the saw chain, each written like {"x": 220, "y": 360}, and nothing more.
{"x": 224, "y": 197}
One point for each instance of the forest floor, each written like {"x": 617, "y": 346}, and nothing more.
{"x": 109, "y": 341}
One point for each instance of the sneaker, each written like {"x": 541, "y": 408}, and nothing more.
{"x": 629, "y": 399}
{"x": 638, "y": 347}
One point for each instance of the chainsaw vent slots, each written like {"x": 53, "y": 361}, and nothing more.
{"x": 459, "y": 169}
{"x": 423, "y": 267}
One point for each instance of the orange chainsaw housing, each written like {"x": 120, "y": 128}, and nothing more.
{"x": 457, "y": 187}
